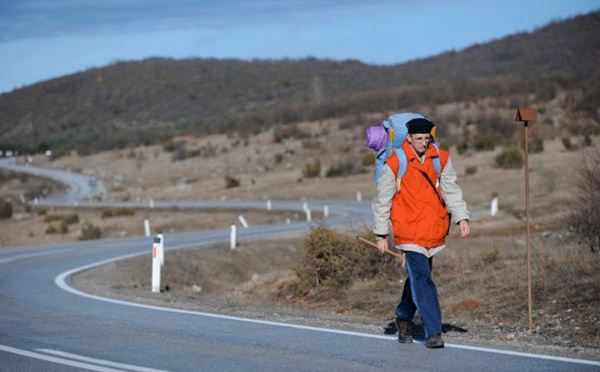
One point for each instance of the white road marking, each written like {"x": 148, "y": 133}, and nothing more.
{"x": 28, "y": 255}
{"x": 60, "y": 281}
{"x": 128, "y": 367}
{"x": 62, "y": 361}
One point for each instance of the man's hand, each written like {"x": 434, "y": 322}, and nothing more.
{"x": 465, "y": 228}
{"x": 382, "y": 245}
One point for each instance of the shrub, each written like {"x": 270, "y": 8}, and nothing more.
{"x": 511, "y": 157}
{"x": 469, "y": 171}
{"x": 344, "y": 169}
{"x": 231, "y": 182}
{"x": 491, "y": 256}
{"x": 117, "y": 212}
{"x": 51, "y": 229}
{"x": 368, "y": 159}
{"x": 462, "y": 147}
{"x": 171, "y": 145}
{"x": 69, "y": 219}
{"x": 6, "y": 209}
{"x": 52, "y": 217}
{"x": 536, "y": 145}
{"x": 484, "y": 143}
{"x": 568, "y": 145}
{"x": 63, "y": 228}
{"x": 90, "y": 232}
{"x": 584, "y": 218}
{"x": 312, "y": 170}
{"x": 329, "y": 262}
{"x": 284, "y": 132}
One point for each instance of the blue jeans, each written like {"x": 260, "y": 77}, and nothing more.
{"x": 420, "y": 293}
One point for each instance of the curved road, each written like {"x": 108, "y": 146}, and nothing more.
{"x": 46, "y": 325}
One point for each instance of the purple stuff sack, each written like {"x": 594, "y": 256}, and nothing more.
{"x": 376, "y": 137}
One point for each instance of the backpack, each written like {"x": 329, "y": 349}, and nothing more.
{"x": 388, "y": 137}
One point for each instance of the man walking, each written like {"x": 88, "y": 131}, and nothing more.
{"x": 418, "y": 206}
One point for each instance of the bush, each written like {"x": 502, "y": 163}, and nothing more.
{"x": 469, "y": 171}
{"x": 584, "y": 218}
{"x": 536, "y": 145}
{"x": 6, "y": 209}
{"x": 368, "y": 159}
{"x": 312, "y": 170}
{"x": 491, "y": 256}
{"x": 511, "y": 157}
{"x": 484, "y": 143}
{"x": 231, "y": 182}
{"x": 462, "y": 147}
{"x": 329, "y": 262}
{"x": 117, "y": 212}
{"x": 170, "y": 145}
{"x": 63, "y": 227}
{"x": 284, "y": 132}
{"x": 51, "y": 230}
{"x": 90, "y": 232}
{"x": 69, "y": 219}
{"x": 568, "y": 145}
{"x": 344, "y": 169}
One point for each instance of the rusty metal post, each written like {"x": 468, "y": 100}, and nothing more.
{"x": 529, "y": 289}
{"x": 526, "y": 115}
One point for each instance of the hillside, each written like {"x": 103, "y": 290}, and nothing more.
{"x": 144, "y": 102}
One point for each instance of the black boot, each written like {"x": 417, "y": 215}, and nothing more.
{"x": 435, "y": 342}
{"x": 404, "y": 331}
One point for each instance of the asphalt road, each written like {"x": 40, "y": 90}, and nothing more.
{"x": 46, "y": 325}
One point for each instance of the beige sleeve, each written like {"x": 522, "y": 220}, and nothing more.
{"x": 452, "y": 193}
{"x": 382, "y": 201}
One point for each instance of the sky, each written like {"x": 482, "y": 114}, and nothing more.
{"x": 44, "y": 39}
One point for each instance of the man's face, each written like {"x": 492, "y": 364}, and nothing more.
{"x": 419, "y": 142}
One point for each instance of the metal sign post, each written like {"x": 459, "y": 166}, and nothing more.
{"x": 526, "y": 115}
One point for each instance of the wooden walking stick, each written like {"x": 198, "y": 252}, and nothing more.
{"x": 388, "y": 251}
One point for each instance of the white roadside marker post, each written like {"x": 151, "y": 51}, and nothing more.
{"x": 308, "y": 217}
{"x": 156, "y": 265}
{"x": 161, "y": 251}
{"x": 151, "y": 204}
{"x": 243, "y": 221}
{"x": 358, "y": 196}
{"x": 325, "y": 211}
{"x": 269, "y": 205}
{"x": 147, "y": 227}
{"x": 233, "y": 237}
{"x": 494, "y": 206}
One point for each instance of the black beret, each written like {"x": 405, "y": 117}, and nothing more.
{"x": 419, "y": 125}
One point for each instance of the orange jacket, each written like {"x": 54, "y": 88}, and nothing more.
{"x": 417, "y": 214}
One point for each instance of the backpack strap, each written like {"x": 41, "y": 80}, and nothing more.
{"x": 436, "y": 160}
{"x": 402, "y": 163}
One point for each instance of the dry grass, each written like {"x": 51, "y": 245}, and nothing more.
{"x": 489, "y": 300}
